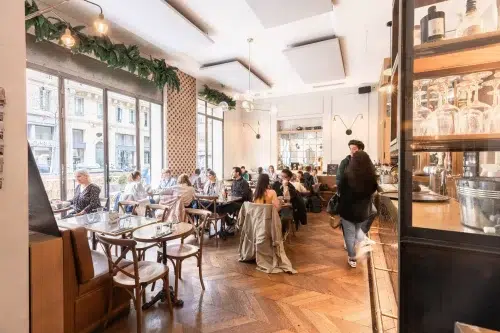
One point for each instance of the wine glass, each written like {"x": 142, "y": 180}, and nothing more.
{"x": 492, "y": 116}
{"x": 446, "y": 113}
{"x": 420, "y": 112}
{"x": 431, "y": 125}
{"x": 463, "y": 87}
{"x": 478, "y": 110}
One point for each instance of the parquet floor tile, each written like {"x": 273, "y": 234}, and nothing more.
{"x": 326, "y": 296}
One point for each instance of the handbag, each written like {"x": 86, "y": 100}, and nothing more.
{"x": 333, "y": 205}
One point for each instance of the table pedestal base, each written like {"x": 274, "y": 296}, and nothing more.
{"x": 160, "y": 296}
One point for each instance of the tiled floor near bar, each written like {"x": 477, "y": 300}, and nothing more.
{"x": 326, "y": 296}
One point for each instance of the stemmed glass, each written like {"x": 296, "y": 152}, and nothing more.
{"x": 492, "y": 116}
{"x": 431, "y": 124}
{"x": 446, "y": 113}
{"x": 464, "y": 87}
{"x": 478, "y": 111}
{"x": 420, "y": 112}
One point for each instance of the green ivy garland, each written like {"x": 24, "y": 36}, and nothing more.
{"x": 114, "y": 55}
{"x": 215, "y": 97}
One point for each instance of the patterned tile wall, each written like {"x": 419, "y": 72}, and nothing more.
{"x": 181, "y": 126}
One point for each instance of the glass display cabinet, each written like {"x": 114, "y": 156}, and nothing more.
{"x": 446, "y": 80}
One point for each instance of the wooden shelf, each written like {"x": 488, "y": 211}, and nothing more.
{"x": 456, "y": 142}
{"x": 303, "y": 131}
{"x": 478, "y": 52}
{"x": 423, "y": 3}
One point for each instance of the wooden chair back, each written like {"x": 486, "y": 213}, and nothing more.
{"x": 127, "y": 245}
{"x": 150, "y": 208}
{"x": 122, "y": 205}
{"x": 198, "y": 218}
{"x": 206, "y": 202}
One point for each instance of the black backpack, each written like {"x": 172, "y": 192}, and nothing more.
{"x": 315, "y": 204}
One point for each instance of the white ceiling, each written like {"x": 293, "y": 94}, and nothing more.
{"x": 360, "y": 26}
{"x": 233, "y": 74}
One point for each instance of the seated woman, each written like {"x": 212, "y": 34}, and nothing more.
{"x": 134, "y": 190}
{"x": 184, "y": 190}
{"x": 86, "y": 198}
{"x": 263, "y": 194}
{"x": 213, "y": 187}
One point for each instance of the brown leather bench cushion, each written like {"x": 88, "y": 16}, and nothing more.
{"x": 101, "y": 272}
{"x": 83, "y": 257}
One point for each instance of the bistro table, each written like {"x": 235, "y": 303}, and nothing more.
{"x": 101, "y": 223}
{"x": 220, "y": 200}
{"x": 153, "y": 234}
{"x": 62, "y": 211}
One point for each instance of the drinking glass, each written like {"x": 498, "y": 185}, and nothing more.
{"x": 446, "y": 113}
{"x": 492, "y": 116}
{"x": 420, "y": 112}
{"x": 431, "y": 124}
{"x": 477, "y": 109}
{"x": 463, "y": 87}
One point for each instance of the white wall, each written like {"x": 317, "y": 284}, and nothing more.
{"x": 325, "y": 104}
{"x": 14, "y": 314}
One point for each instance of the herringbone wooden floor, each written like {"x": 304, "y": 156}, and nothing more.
{"x": 325, "y": 296}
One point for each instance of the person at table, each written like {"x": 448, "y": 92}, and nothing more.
{"x": 263, "y": 194}
{"x": 196, "y": 180}
{"x": 301, "y": 189}
{"x": 184, "y": 190}
{"x": 273, "y": 176}
{"x": 259, "y": 171}
{"x": 167, "y": 180}
{"x": 135, "y": 190}
{"x": 245, "y": 174}
{"x": 86, "y": 197}
{"x": 314, "y": 175}
{"x": 308, "y": 179}
{"x": 284, "y": 188}
{"x": 213, "y": 187}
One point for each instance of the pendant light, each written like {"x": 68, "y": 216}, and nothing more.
{"x": 67, "y": 39}
{"x": 100, "y": 24}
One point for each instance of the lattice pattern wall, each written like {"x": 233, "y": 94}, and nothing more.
{"x": 181, "y": 126}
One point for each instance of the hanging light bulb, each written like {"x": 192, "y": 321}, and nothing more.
{"x": 67, "y": 39}
{"x": 224, "y": 106}
{"x": 100, "y": 24}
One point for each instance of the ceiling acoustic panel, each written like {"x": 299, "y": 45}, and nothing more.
{"x": 273, "y": 13}
{"x": 234, "y": 75}
{"x": 317, "y": 62}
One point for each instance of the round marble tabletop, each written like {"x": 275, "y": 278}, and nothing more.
{"x": 148, "y": 234}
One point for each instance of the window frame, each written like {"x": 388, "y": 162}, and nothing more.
{"x": 213, "y": 118}
{"x": 63, "y": 161}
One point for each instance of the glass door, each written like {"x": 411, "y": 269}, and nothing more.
{"x": 84, "y": 134}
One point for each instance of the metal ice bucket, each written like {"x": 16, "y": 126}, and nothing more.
{"x": 479, "y": 199}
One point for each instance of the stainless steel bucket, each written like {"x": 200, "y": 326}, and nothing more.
{"x": 479, "y": 199}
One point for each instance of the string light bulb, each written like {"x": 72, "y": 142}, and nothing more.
{"x": 67, "y": 39}
{"x": 100, "y": 24}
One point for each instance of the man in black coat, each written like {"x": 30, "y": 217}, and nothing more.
{"x": 283, "y": 187}
{"x": 354, "y": 146}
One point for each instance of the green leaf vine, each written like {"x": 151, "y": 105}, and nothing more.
{"x": 114, "y": 55}
{"x": 215, "y": 97}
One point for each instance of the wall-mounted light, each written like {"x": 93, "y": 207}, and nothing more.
{"x": 348, "y": 129}
{"x": 257, "y": 134}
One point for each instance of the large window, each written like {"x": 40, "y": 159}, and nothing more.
{"x": 210, "y": 134}
{"x": 43, "y": 128}
{"x": 84, "y": 134}
{"x": 87, "y": 143}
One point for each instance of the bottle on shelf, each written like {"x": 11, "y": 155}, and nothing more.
{"x": 435, "y": 25}
{"x": 472, "y": 23}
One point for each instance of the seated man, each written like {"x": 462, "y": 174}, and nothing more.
{"x": 196, "y": 180}
{"x": 285, "y": 189}
{"x": 241, "y": 189}
{"x": 308, "y": 179}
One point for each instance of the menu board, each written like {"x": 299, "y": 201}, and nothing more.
{"x": 331, "y": 169}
